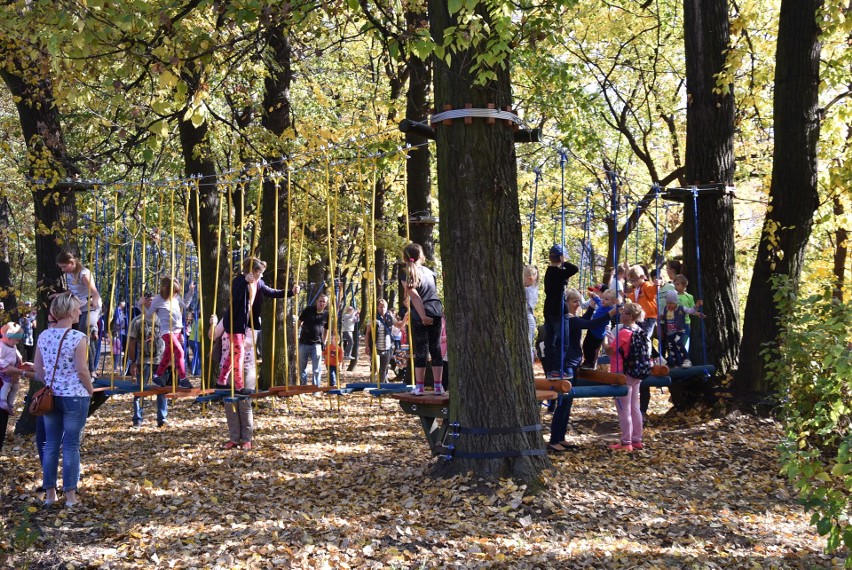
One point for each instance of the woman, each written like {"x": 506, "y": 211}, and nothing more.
{"x": 62, "y": 362}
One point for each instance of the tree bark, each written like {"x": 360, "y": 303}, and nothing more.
{"x": 841, "y": 250}
{"x": 204, "y": 225}
{"x": 492, "y": 382}
{"x": 55, "y": 205}
{"x": 708, "y": 238}
{"x": 276, "y": 118}
{"x": 793, "y": 196}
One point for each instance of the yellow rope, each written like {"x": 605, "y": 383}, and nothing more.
{"x": 215, "y": 285}
{"x": 295, "y": 300}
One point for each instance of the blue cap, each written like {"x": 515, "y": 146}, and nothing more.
{"x": 557, "y": 250}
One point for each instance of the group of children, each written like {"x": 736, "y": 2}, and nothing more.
{"x": 611, "y": 325}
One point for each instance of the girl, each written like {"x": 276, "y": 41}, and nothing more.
{"x": 80, "y": 282}
{"x": 347, "y": 322}
{"x": 9, "y": 358}
{"x": 573, "y": 354}
{"x": 644, "y": 293}
{"x": 169, "y": 308}
{"x": 594, "y": 337}
{"x": 629, "y": 415}
{"x": 426, "y": 316}
{"x": 531, "y": 290}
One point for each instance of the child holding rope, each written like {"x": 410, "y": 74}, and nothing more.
{"x": 531, "y": 292}
{"x": 426, "y": 316}
{"x": 674, "y": 317}
{"x": 595, "y": 336}
{"x": 80, "y": 282}
{"x": 169, "y": 307}
{"x": 618, "y": 347}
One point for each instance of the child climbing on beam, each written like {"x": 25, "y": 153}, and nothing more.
{"x": 555, "y": 280}
{"x": 169, "y": 307}
{"x": 673, "y": 316}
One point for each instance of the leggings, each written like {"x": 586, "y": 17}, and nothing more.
{"x": 427, "y": 340}
{"x": 174, "y": 348}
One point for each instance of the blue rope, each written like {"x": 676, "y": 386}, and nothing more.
{"x": 661, "y": 254}
{"x": 563, "y": 157}
{"x": 698, "y": 272}
{"x": 532, "y": 217}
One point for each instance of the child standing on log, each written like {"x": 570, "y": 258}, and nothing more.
{"x": 426, "y": 315}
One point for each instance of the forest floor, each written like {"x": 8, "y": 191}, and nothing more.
{"x": 323, "y": 489}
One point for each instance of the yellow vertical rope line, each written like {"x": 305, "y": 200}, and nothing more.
{"x": 112, "y": 287}
{"x": 144, "y": 276}
{"x": 215, "y": 286}
{"x": 295, "y": 300}
{"x": 375, "y": 278}
{"x": 185, "y": 274}
{"x": 92, "y": 252}
{"x": 340, "y": 368}
{"x": 130, "y": 302}
{"x": 253, "y": 245}
{"x": 277, "y": 179}
{"x": 410, "y": 308}
{"x": 199, "y": 327}
{"x": 231, "y": 285}
{"x": 298, "y": 273}
{"x": 369, "y": 257}
{"x": 172, "y": 272}
{"x": 332, "y": 306}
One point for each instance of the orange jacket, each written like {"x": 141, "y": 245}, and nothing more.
{"x": 333, "y": 354}
{"x": 646, "y": 295}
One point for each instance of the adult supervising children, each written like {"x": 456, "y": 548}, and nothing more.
{"x": 314, "y": 331}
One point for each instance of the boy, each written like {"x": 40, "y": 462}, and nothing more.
{"x": 555, "y": 280}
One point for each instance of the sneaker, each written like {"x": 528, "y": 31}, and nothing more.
{"x": 417, "y": 391}
{"x": 185, "y": 384}
{"x": 4, "y": 405}
{"x": 244, "y": 391}
{"x": 159, "y": 381}
{"x": 554, "y": 375}
{"x": 637, "y": 445}
{"x": 686, "y": 364}
{"x": 619, "y": 447}
{"x": 221, "y": 386}
{"x": 230, "y": 445}
{"x": 439, "y": 390}
{"x": 246, "y": 445}
{"x": 161, "y": 424}
{"x": 136, "y": 425}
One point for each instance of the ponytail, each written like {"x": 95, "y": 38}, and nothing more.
{"x": 411, "y": 255}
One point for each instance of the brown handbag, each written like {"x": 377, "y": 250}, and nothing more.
{"x": 42, "y": 401}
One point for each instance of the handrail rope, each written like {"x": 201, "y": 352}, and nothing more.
{"x": 615, "y": 264}
{"x": 698, "y": 274}
{"x": 252, "y": 251}
{"x": 331, "y": 307}
{"x": 143, "y": 308}
{"x": 532, "y": 217}
{"x": 277, "y": 180}
{"x": 660, "y": 263}
{"x": 230, "y": 198}
{"x": 295, "y": 301}
{"x": 199, "y": 323}
{"x": 112, "y": 294}
{"x": 186, "y": 280}
{"x": 215, "y": 283}
{"x": 563, "y": 157}
{"x": 298, "y": 273}
{"x": 173, "y": 274}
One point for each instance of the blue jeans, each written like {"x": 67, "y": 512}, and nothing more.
{"x": 561, "y": 415}
{"x": 311, "y": 352}
{"x": 64, "y": 427}
{"x": 555, "y": 348}
{"x": 162, "y": 403}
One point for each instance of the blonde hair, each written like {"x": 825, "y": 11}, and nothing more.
{"x": 610, "y": 294}
{"x": 636, "y": 272}
{"x": 411, "y": 254}
{"x": 573, "y": 294}
{"x": 63, "y": 304}
{"x": 635, "y": 311}
{"x": 531, "y": 272}
{"x": 681, "y": 279}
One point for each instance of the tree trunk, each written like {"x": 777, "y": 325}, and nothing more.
{"x": 204, "y": 222}
{"x": 7, "y": 288}
{"x": 793, "y": 197}
{"x": 273, "y": 246}
{"x": 55, "y": 205}
{"x": 841, "y": 250}
{"x": 492, "y": 381}
{"x": 708, "y": 238}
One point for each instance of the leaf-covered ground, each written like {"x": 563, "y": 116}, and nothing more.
{"x": 324, "y": 489}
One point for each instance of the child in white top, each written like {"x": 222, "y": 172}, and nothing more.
{"x": 531, "y": 292}
{"x": 9, "y": 358}
{"x": 169, "y": 308}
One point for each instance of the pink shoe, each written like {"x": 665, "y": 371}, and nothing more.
{"x": 246, "y": 445}
{"x": 619, "y": 447}
{"x": 637, "y": 445}
{"x": 230, "y": 445}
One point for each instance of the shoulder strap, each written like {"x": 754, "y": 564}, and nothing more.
{"x": 58, "y": 353}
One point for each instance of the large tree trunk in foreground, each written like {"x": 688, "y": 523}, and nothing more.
{"x": 55, "y": 205}
{"x": 273, "y": 245}
{"x": 793, "y": 196}
{"x": 491, "y": 385}
{"x": 709, "y": 256}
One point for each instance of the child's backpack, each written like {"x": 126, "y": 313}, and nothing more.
{"x": 637, "y": 361}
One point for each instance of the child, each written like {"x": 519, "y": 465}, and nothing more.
{"x": 594, "y": 336}
{"x": 687, "y": 301}
{"x": 674, "y": 316}
{"x": 80, "y": 282}
{"x": 555, "y": 280}
{"x": 618, "y": 347}
{"x": 9, "y": 358}
{"x": 616, "y": 282}
{"x": 426, "y": 315}
{"x": 169, "y": 308}
{"x": 531, "y": 291}
{"x": 333, "y": 355}
{"x": 347, "y": 323}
